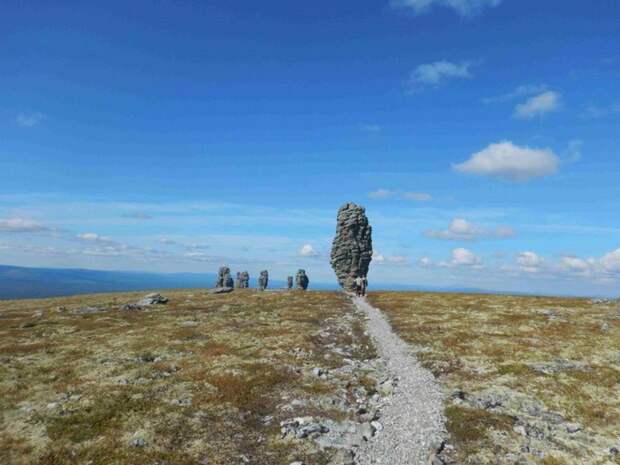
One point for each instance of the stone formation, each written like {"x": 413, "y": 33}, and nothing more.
{"x": 301, "y": 280}
{"x": 352, "y": 247}
{"x": 263, "y": 280}
{"x": 223, "y": 278}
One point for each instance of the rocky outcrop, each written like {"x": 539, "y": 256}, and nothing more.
{"x": 243, "y": 280}
{"x": 223, "y": 278}
{"x": 263, "y": 280}
{"x": 352, "y": 247}
{"x": 301, "y": 280}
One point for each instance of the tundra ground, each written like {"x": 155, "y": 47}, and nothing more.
{"x": 203, "y": 379}
{"x": 528, "y": 380}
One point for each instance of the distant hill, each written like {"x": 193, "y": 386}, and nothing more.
{"x": 22, "y": 283}
{"x": 25, "y": 283}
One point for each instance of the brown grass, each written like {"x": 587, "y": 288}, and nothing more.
{"x": 476, "y": 342}
{"x": 194, "y": 378}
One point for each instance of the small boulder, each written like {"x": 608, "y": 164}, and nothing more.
{"x": 87, "y": 310}
{"x": 220, "y": 290}
{"x": 152, "y": 299}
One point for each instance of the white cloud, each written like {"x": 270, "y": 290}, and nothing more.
{"x": 307, "y": 250}
{"x": 570, "y": 263}
{"x": 377, "y": 257}
{"x": 425, "y": 262}
{"x": 520, "y": 91}
{"x": 28, "y": 120}
{"x": 464, "y": 257}
{"x": 20, "y": 225}
{"x": 529, "y": 262}
{"x": 435, "y": 74}
{"x": 511, "y": 162}
{"x": 92, "y": 237}
{"x": 462, "y": 230}
{"x": 538, "y": 105}
{"x": 381, "y": 259}
{"x": 611, "y": 261}
{"x": 417, "y": 196}
{"x": 380, "y": 194}
{"x": 167, "y": 241}
{"x": 466, "y": 8}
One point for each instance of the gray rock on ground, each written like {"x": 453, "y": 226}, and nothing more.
{"x": 352, "y": 246}
{"x": 244, "y": 280}
{"x": 263, "y": 280}
{"x": 152, "y": 299}
{"x": 301, "y": 280}
{"x": 224, "y": 279}
{"x": 220, "y": 290}
{"x": 87, "y": 310}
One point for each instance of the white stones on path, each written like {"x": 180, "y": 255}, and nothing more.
{"x": 412, "y": 420}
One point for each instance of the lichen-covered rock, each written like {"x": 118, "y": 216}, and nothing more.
{"x": 152, "y": 299}
{"x": 301, "y": 280}
{"x": 352, "y": 247}
{"x": 263, "y": 280}
{"x": 223, "y": 278}
{"x": 243, "y": 280}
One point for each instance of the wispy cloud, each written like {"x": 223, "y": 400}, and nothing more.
{"x": 505, "y": 160}
{"x": 417, "y": 196}
{"x": 381, "y": 194}
{"x": 462, "y": 230}
{"x": 601, "y": 111}
{"x": 28, "y": 120}
{"x": 381, "y": 259}
{"x": 21, "y": 225}
{"x": 466, "y": 8}
{"x": 437, "y": 73}
{"x": 538, "y": 105}
{"x": 573, "y": 154}
{"x": 520, "y": 91}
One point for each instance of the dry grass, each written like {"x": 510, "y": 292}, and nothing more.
{"x": 200, "y": 379}
{"x": 479, "y": 342}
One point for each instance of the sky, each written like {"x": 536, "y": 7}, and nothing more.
{"x": 169, "y": 136}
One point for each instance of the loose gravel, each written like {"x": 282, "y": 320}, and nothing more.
{"x": 413, "y": 421}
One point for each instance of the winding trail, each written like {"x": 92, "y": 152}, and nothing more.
{"x": 413, "y": 421}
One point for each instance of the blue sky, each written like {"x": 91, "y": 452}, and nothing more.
{"x": 481, "y": 135}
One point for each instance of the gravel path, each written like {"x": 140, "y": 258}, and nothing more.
{"x": 413, "y": 422}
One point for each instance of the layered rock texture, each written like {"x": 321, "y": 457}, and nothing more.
{"x": 243, "y": 280}
{"x": 223, "y": 278}
{"x": 263, "y": 280}
{"x": 301, "y": 280}
{"x": 352, "y": 247}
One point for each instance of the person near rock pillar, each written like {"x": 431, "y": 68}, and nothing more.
{"x": 364, "y": 285}
{"x": 358, "y": 286}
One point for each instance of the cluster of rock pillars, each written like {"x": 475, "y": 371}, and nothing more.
{"x": 350, "y": 256}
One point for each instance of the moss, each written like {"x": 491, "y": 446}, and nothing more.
{"x": 107, "y": 412}
{"x": 468, "y": 425}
